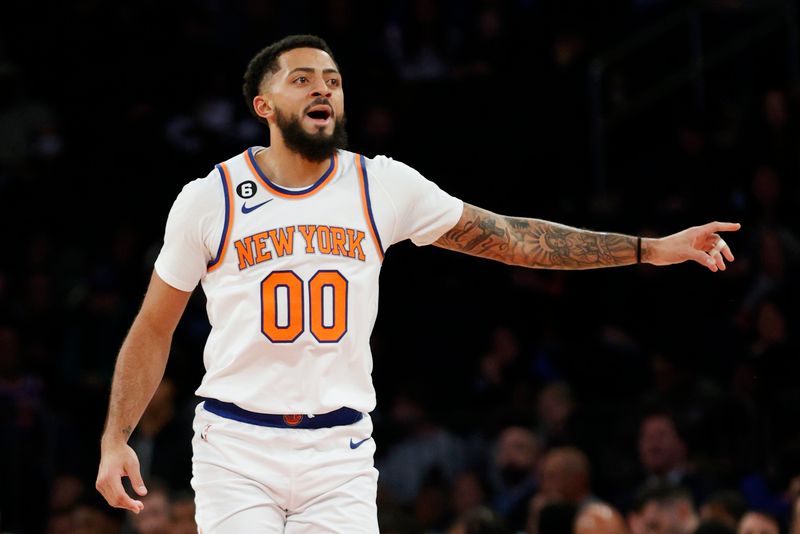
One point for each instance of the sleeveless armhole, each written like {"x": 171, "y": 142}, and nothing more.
{"x": 226, "y": 229}
{"x": 367, "y": 204}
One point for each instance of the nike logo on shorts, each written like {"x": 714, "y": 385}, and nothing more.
{"x": 245, "y": 209}
{"x": 357, "y": 444}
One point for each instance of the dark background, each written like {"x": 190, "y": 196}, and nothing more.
{"x": 633, "y": 116}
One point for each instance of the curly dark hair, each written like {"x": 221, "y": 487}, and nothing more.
{"x": 266, "y": 62}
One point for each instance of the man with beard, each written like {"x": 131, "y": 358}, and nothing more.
{"x": 288, "y": 241}
{"x": 518, "y": 452}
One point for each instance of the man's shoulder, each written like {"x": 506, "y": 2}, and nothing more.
{"x": 380, "y": 160}
{"x": 212, "y": 181}
{"x": 380, "y": 165}
{"x": 202, "y": 189}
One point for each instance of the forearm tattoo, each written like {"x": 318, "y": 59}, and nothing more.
{"x": 536, "y": 243}
{"x": 127, "y": 431}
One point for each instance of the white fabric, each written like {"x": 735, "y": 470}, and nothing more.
{"x": 192, "y": 232}
{"x": 304, "y": 375}
{"x": 250, "y": 478}
{"x": 422, "y": 211}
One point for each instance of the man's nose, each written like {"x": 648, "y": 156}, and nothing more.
{"x": 321, "y": 88}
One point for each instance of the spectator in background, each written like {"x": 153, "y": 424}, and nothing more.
{"x": 565, "y": 477}
{"x": 516, "y": 461}
{"x": 663, "y": 454}
{"x": 757, "y": 522}
{"x": 663, "y": 509}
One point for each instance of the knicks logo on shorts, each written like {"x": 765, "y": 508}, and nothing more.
{"x": 292, "y": 420}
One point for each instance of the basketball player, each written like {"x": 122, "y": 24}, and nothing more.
{"x": 287, "y": 242}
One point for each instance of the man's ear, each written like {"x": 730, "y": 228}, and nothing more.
{"x": 263, "y": 107}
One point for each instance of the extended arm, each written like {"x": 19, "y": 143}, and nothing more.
{"x": 139, "y": 369}
{"x": 549, "y": 245}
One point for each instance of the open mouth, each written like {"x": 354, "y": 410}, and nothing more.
{"x": 320, "y": 113}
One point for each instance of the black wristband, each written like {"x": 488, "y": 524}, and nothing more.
{"x": 638, "y": 250}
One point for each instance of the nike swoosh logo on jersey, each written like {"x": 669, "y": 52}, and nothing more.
{"x": 357, "y": 444}
{"x": 245, "y": 209}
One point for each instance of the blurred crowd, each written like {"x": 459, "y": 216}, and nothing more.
{"x": 641, "y": 400}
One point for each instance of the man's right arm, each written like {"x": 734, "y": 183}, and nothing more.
{"x": 549, "y": 245}
{"x": 139, "y": 369}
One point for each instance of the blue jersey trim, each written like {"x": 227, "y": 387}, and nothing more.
{"x": 369, "y": 205}
{"x": 224, "y": 237}
{"x": 290, "y": 192}
{"x": 342, "y": 416}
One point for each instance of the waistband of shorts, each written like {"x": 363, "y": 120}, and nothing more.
{"x": 342, "y": 416}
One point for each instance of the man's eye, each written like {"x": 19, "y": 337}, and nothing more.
{"x": 301, "y": 79}
{"x": 333, "y": 81}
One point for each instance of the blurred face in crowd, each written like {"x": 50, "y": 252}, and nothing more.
{"x": 304, "y": 103}
{"x": 565, "y": 475}
{"x": 517, "y": 454}
{"x": 661, "y": 449}
{"x": 756, "y": 523}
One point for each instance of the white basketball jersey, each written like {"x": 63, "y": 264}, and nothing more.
{"x": 291, "y": 276}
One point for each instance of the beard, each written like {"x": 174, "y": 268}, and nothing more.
{"x": 314, "y": 147}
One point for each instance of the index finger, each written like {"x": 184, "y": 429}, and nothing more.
{"x": 724, "y": 226}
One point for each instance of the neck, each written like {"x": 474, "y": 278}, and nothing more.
{"x": 288, "y": 168}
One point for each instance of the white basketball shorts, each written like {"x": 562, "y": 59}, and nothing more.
{"x": 251, "y": 478}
